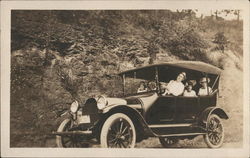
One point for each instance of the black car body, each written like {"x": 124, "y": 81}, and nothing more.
{"x": 121, "y": 122}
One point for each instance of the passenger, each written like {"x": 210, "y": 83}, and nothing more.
{"x": 142, "y": 87}
{"x": 176, "y": 87}
{"x": 151, "y": 86}
{"x": 189, "y": 92}
{"x": 205, "y": 89}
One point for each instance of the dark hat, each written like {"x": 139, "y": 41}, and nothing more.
{"x": 204, "y": 79}
{"x": 190, "y": 83}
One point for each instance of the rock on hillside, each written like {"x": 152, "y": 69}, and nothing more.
{"x": 58, "y": 61}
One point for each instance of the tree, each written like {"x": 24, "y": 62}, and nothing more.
{"x": 221, "y": 40}
{"x": 234, "y": 12}
{"x": 152, "y": 50}
{"x": 237, "y": 13}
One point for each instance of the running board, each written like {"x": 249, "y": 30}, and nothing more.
{"x": 183, "y": 134}
{"x": 170, "y": 125}
{"x": 72, "y": 133}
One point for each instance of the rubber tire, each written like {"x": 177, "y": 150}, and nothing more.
{"x": 165, "y": 145}
{"x": 207, "y": 141}
{"x": 109, "y": 122}
{"x": 61, "y": 129}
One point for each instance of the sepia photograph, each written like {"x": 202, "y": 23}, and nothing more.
{"x": 127, "y": 78}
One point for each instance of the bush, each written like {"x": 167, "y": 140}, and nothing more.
{"x": 55, "y": 60}
{"x": 221, "y": 41}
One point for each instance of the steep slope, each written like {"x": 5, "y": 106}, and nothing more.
{"x": 58, "y": 61}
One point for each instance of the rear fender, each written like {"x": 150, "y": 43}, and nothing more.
{"x": 213, "y": 110}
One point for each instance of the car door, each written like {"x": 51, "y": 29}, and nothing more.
{"x": 187, "y": 109}
{"x": 207, "y": 101}
{"x": 162, "y": 111}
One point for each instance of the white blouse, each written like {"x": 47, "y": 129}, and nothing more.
{"x": 203, "y": 91}
{"x": 189, "y": 94}
{"x": 175, "y": 88}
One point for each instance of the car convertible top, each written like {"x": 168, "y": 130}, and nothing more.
{"x": 196, "y": 68}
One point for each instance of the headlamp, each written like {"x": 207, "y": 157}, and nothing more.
{"x": 74, "y": 107}
{"x": 101, "y": 102}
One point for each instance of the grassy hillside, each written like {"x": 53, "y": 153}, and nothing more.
{"x": 59, "y": 56}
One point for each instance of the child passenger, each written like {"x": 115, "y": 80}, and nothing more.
{"x": 189, "y": 92}
{"x": 142, "y": 87}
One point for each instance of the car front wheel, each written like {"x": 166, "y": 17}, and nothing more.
{"x": 64, "y": 141}
{"x": 118, "y": 131}
{"x": 68, "y": 141}
{"x": 215, "y": 132}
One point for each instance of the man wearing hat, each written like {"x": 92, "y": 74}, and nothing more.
{"x": 205, "y": 89}
{"x": 176, "y": 87}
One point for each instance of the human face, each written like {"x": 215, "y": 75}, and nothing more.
{"x": 179, "y": 78}
{"x": 142, "y": 86}
{"x": 204, "y": 84}
{"x": 189, "y": 88}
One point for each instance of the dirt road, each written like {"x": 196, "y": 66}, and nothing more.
{"x": 197, "y": 142}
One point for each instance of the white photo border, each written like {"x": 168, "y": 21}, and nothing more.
{"x": 7, "y": 6}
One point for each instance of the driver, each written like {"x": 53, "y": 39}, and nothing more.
{"x": 151, "y": 86}
{"x": 176, "y": 87}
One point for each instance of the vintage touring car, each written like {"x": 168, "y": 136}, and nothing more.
{"x": 121, "y": 122}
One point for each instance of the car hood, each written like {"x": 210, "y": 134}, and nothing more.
{"x": 137, "y": 99}
{"x": 116, "y": 101}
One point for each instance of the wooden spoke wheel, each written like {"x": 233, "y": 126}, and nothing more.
{"x": 215, "y": 132}
{"x": 118, "y": 131}
{"x": 68, "y": 141}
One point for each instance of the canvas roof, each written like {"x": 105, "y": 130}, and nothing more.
{"x": 190, "y": 65}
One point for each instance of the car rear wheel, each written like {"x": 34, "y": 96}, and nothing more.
{"x": 168, "y": 141}
{"x": 118, "y": 131}
{"x": 215, "y": 132}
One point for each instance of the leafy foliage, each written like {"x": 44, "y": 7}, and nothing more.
{"x": 58, "y": 56}
{"x": 220, "y": 40}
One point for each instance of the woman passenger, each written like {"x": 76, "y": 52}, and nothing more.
{"x": 176, "y": 87}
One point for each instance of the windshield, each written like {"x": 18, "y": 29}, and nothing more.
{"x": 137, "y": 86}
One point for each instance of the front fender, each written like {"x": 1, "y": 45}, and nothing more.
{"x": 108, "y": 108}
{"x": 135, "y": 115}
{"x": 131, "y": 106}
{"x": 212, "y": 110}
